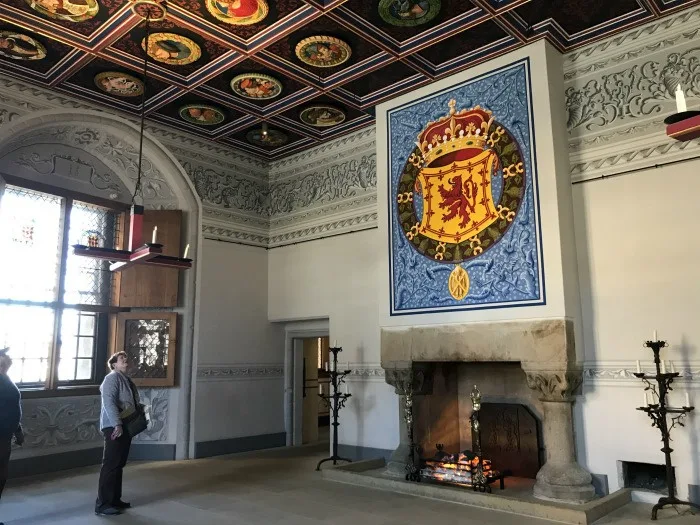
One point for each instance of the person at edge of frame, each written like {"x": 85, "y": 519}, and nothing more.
{"x": 10, "y": 416}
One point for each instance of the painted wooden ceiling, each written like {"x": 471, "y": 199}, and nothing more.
{"x": 304, "y": 71}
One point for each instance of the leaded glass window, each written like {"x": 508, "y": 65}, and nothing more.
{"x": 53, "y": 305}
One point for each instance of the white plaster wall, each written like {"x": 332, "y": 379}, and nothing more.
{"x": 637, "y": 251}
{"x": 239, "y": 391}
{"x": 337, "y": 278}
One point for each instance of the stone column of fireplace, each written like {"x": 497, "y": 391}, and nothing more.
{"x": 419, "y": 380}
{"x": 561, "y": 478}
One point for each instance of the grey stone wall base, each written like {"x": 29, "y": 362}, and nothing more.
{"x": 219, "y": 447}
{"x": 357, "y": 453}
{"x": 50, "y": 463}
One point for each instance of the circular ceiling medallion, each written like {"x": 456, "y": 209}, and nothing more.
{"x": 169, "y": 48}
{"x": 67, "y": 10}
{"x": 256, "y": 86}
{"x": 20, "y": 47}
{"x": 323, "y": 51}
{"x": 202, "y": 114}
{"x": 322, "y": 116}
{"x": 238, "y": 12}
{"x": 408, "y": 13}
{"x": 151, "y": 10}
{"x": 120, "y": 84}
{"x": 270, "y": 139}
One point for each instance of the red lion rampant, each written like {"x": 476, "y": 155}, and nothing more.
{"x": 460, "y": 199}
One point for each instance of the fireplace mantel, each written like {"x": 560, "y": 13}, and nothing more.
{"x": 546, "y": 352}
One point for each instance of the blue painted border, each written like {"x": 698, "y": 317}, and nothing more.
{"x": 535, "y": 188}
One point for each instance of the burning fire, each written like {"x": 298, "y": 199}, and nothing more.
{"x": 456, "y": 468}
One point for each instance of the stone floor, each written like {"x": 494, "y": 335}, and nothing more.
{"x": 262, "y": 488}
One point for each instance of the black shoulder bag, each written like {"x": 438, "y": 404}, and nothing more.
{"x": 136, "y": 422}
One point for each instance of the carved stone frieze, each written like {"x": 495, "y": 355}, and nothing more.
{"x": 618, "y": 92}
{"x": 227, "y": 190}
{"x": 555, "y": 385}
{"x": 157, "y": 401}
{"x": 416, "y": 379}
{"x": 337, "y": 181}
{"x": 54, "y": 422}
{"x": 634, "y": 92}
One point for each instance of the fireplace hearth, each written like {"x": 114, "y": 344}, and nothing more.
{"x": 530, "y": 365}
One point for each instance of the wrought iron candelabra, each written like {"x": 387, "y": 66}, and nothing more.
{"x": 335, "y": 402}
{"x": 658, "y": 412}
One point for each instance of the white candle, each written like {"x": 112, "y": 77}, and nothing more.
{"x": 325, "y": 365}
{"x": 680, "y": 100}
{"x": 335, "y": 343}
{"x": 673, "y": 368}
{"x": 320, "y": 388}
{"x": 639, "y": 367}
{"x": 663, "y": 367}
{"x": 655, "y": 339}
{"x": 646, "y": 400}
{"x": 335, "y": 366}
{"x": 687, "y": 399}
{"x": 187, "y": 249}
{"x": 346, "y": 388}
{"x": 155, "y": 235}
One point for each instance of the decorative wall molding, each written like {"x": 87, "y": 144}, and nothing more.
{"x": 621, "y": 373}
{"x": 366, "y": 372}
{"x": 239, "y": 372}
{"x": 619, "y": 90}
{"x": 342, "y": 226}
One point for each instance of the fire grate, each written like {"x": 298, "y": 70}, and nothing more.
{"x": 461, "y": 469}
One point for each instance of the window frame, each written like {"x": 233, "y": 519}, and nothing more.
{"x": 52, "y": 387}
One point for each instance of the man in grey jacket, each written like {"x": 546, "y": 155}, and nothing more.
{"x": 119, "y": 401}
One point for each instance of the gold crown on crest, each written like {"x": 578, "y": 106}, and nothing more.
{"x": 467, "y": 129}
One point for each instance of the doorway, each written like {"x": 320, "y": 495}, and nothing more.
{"x": 316, "y": 380}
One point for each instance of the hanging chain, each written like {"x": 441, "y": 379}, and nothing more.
{"x": 138, "y": 188}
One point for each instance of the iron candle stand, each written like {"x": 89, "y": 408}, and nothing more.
{"x": 658, "y": 412}
{"x": 335, "y": 402}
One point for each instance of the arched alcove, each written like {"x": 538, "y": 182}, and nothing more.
{"x": 96, "y": 153}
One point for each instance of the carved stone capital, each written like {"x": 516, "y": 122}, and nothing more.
{"x": 559, "y": 385}
{"x": 416, "y": 379}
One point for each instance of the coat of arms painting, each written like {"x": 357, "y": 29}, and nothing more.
{"x": 463, "y": 202}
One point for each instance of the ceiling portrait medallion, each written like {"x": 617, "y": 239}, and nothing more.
{"x": 238, "y": 12}
{"x": 323, "y": 51}
{"x": 256, "y": 86}
{"x": 272, "y": 138}
{"x": 201, "y": 114}
{"x": 408, "y": 13}
{"x": 68, "y": 10}
{"x": 20, "y": 47}
{"x": 322, "y": 116}
{"x": 120, "y": 84}
{"x": 169, "y": 48}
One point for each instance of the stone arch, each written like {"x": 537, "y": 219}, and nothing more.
{"x": 100, "y": 153}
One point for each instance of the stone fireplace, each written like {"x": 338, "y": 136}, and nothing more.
{"x": 529, "y": 365}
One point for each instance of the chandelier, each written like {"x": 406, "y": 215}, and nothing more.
{"x": 139, "y": 252}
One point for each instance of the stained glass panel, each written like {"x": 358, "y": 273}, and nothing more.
{"x": 28, "y": 331}
{"x": 89, "y": 281}
{"x": 30, "y": 237}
